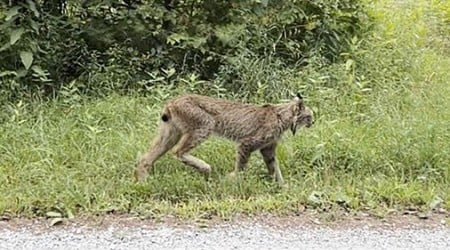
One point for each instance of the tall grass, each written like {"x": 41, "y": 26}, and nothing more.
{"x": 381, "y": 139}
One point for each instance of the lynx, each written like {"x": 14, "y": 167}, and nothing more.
{"x": 188, "y": 120}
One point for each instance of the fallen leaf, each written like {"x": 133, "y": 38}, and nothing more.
{"x": 56, "y": 221}
{"x": 423, "y": 216}
{"x": 436, "y": 202}
{"x": 53, "y": 214}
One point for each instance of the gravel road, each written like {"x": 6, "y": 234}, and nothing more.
{"x": 225, "y": 236}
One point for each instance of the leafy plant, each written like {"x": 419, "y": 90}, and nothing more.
{"x": 101, "y": 46}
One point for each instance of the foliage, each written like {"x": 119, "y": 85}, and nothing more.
{"x": 40, "y": 51}
{"x": 103, "y": 46}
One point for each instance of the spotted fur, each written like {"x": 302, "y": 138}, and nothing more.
{"x": 188, "y": 120}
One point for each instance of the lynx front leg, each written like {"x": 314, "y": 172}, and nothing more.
{"x": 187, "y": 143}
{"x": 243, "y": 155}
{"x": 167, "y": 138}
{"x": 269, "y": 156}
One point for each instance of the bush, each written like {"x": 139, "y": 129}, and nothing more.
{"x": 99, "y": 46}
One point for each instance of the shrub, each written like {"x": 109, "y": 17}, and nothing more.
{"x": 98, "y": 46}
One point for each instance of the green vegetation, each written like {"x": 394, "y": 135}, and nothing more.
{"x": 381, "y": 138}
{"x": 98, "y": 47}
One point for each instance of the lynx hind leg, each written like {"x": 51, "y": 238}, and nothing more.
{"x": 269, "y": 155}
{"x": 166, "y": 139}
{"x": 187, "y": 143}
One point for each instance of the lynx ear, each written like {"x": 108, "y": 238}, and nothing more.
{"x": 298, "y": 98}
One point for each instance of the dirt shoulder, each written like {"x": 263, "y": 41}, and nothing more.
{"x": 307, "y": 219}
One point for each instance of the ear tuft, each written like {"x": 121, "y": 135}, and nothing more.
{"x": 298, "y": 98}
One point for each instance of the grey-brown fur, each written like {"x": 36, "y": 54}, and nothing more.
{"x": 188, "y": 120}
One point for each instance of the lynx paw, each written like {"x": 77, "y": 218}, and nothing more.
{"x": 140, "y": 175}
{"x": 205, "y": 170}
{"x": 233, "y": 175}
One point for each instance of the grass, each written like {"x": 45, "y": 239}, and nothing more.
{"x": 382, "y": 146}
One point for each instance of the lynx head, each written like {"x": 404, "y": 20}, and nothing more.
{"x": 306, "y": 118}
{"x": 302, "y": 116}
